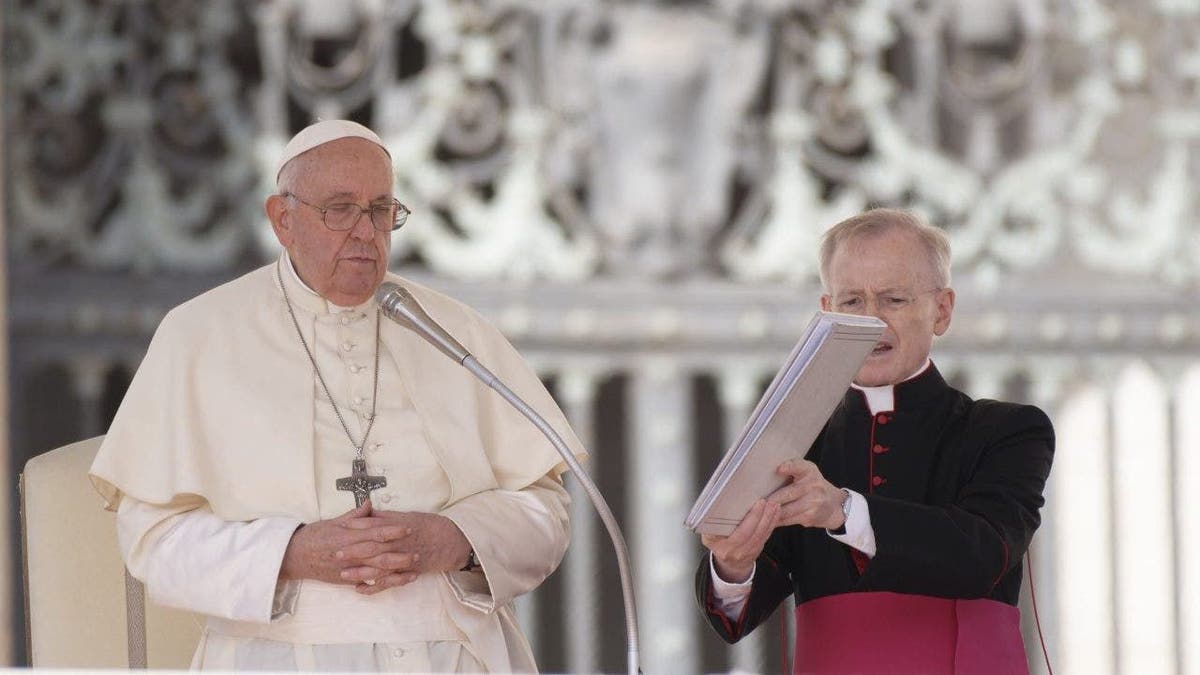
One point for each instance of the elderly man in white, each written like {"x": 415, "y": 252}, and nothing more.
{"x": 327, "y": 488}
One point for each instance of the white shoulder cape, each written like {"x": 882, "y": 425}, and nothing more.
{"x": 222, "y": 407}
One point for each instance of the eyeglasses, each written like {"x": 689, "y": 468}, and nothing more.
{"x": 887, "y": 302}
{"x": 385, "y": 217}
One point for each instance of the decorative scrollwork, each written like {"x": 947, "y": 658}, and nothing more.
{"x": 572, "y": 139}
{"x": 133, "y": 160}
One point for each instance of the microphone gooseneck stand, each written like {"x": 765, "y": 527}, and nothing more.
{"x": 400, "y": 306}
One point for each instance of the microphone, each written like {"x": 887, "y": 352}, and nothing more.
{"x": 399, "y": 305}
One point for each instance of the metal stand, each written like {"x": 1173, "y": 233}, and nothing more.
{"x": 606, "y": 516}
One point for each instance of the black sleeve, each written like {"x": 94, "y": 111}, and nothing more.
{"x": 964, "y": 549}
{"x": 771, "y": 585}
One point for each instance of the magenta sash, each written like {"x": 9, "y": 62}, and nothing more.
{"x": 868, "y": 633}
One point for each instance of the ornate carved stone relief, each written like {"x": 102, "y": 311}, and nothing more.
{"x": 570, "y": 140}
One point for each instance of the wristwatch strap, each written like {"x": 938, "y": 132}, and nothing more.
{"x": 846, "y": 502}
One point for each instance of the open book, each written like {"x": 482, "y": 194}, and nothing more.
{"x": 787, "y": 419}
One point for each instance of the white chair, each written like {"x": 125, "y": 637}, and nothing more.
{"x": 82, "y": 609}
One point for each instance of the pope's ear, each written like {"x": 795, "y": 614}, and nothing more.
{"x": 826, "y": 302}
{"x": 279, "y": 215}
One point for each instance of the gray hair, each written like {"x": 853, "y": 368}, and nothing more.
{"x": 290, "y": 173}
{"x": 878, "y": 221}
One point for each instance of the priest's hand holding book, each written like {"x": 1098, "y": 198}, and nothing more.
{"x": 734, "y": 556}
{"x": 807, "y": 500}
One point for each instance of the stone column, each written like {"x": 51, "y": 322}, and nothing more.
{"x": 737, "y": 391}
{"x": 1144, "y": 561}
{"x": 577, "y": 395}
{"x": 87, "y": 383}
{"x": 663, "y": 550}
{"x": 1083, "y": 494}
{"x": 1048, "y": 387}
{"x": 1186, "y": 472}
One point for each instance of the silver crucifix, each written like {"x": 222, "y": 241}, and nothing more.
{"x": 360, "y": 483}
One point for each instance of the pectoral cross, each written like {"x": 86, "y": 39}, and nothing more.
{"x": 360, "y": 483}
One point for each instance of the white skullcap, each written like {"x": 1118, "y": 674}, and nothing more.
{"x": 320, "y": 133}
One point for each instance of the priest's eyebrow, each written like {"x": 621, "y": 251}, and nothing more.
{"x": 890, "y": 290}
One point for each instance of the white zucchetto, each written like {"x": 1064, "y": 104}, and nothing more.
{"x": 320, "y": 133}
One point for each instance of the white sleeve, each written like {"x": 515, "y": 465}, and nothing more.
{"x": 519, "y": 537}
{"x": 728, "y": 597}
{"x": 189, "y": 558}
{"x": 859, "y": 534}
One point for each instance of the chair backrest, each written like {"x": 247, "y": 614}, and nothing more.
{"x": 82, "y": 609}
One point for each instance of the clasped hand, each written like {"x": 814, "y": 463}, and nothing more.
{"x": 374, "y": 549}
{"x": 807, "y": 499}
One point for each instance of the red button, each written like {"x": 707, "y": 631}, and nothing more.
{"x": 878, "y": 480}
{"x": 883, "y": 418}
{"x": 879, "y": 449}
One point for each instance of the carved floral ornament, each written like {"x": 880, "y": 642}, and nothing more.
{"x": 572, "y": 139}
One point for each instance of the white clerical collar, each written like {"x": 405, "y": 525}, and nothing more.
{"x": 311, "y": 298}
{"x": 883, "y": 398}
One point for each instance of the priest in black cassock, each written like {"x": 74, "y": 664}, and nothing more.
{"x": 902, "y": 531}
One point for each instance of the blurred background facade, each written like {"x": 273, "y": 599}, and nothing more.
{"x": 633, "y": 192}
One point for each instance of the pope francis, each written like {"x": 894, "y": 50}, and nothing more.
{"x": 332, "y": 492}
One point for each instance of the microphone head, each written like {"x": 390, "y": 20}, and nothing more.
{"x": 399, "y": 305}
{"x": 386, "y": 289}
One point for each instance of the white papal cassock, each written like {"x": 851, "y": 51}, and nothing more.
{"x": 226, "y": 442}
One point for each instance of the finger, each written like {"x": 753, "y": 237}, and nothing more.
{"x": 359, "y": 511}
{"x": 386, "y": 582}
{"x": 745, "y": 544}
{"x": 366, "y": 543}
{"x": 745, "y": 529}
{"x": 767, "y": 525}
{"x": 379, "y": 532}
{"x": 801, "y": 491}
{"x": 384, "y": 538}
{"x": 799, "y": 513}
{"x": 390, "y": 533}
{"x": 796, "y": 469}
{"x": 365, "y": 507}
{"x": 788, "y": 493}
{"x": 365, "y": 522}
{"x": 360, "y": 551}
{"x": 361, "y": 574}
{"x": 394, "y": 562}
{"x": 749, "y": 544}
{"x": 375, "y": 521}
{"x": 754, "y": 543}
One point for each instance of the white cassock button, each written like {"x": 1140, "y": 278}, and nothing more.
{"x": 354, "y": 367}
{"x": 347, "y": 346}
{"x": 345, "y": 320}
{"x": 358, "y": 400}
{"x": 398, "y": 653}
{"x": 386, "y": 499}
{"x": 376, "y": 446}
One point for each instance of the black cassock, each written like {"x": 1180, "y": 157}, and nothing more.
{"x": 953, "y": 487}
